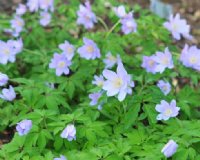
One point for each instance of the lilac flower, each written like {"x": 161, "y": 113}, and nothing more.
{"x": 120, "y": 11}
{"x": 128, "y": 24}
{"x": 167, "y": 110}
{"x": 17, "y": 25}
{"x": 170, "y": 148}
{"x": 7, "y": 52}
{"x": 21, "y": 9}
{"x": 45, "y": 18}
{"x": 110, "y": 60}
{"x": 165, "y": 87}
{"x": 46, "y": 5}
{"x": 17, "y": 45}
{"x": 178, "y": 27}
{"x": 69, "y": 132}
{"x": 33, "y": 5}
{"x": 61, "y": 158}
{"x": 190, "y": 57}
{"x": 163, "y": 60}
{"x": 68, "y": 49}
{"x": 89, "y": 50}
{"x": 94, "y": 98}
{"x": 118, "y": 83}
{"x": 8, "y": 94}
{"x": 85, "y": 16}
{"x": 24, "y": 127}
{"x": 149, "y": 64}
{"x": 3, "y": 79}
{"x": 60, "y": 63}
{"x": 98, "y": 80}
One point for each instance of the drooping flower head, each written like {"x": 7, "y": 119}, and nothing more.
{"x": 69, "y": 132}
{"x": 3, "y": 79}
{"x": 60, "y": 63}
{"x": 178, "y": 27}
{"x": 60, "y": 158}
{"x": 45, "y": 18}
{"x": 118, "y": 83}
{"x": 149, "y": 64}
{"x": 46, "y": 5}
{"x": 165, "y": 87}
{"x": 21, "y": 9}
{"x": 8, "y": 94}
{"x": 98, "y": 80}
{"x": 94, "y": 97}
{"x": 17, "y": 25}
{"x": 67, "y": 49}
{"x": 170, "y": 148}
{"x": 164, "y": 60}
{"x": 190, "y": 57}
{"x": 167, "y": 110}
{"x": 128, "y": 24}
{"x": 33, "y": 5}
{"x": 111, "y": 60}
{"x": 24, "y": 127}
{"x": 85, "y": 16}
{"x": 89, "y": 50}
{"x": 120, "y": 11}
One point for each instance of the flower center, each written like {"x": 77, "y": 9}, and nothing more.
{"x": 193, "y": 60}
{"x": 100, "y": 83}
{"x": 19, "y": 23}
{"x": 69, "y": 50}
{"x": 164, "y": 88}
{"x": 61, "y": 64}
{"x": 112, "y": 58}
{"x": 118, "y": 82}
{"x": 165, "y": 61}
{"x": 90, "y": 49}
{"x": 151, "y": 63}
{"x": 168, "y": 112}
{"x": 175, "y": 27}
{"x": 6, "y": 51}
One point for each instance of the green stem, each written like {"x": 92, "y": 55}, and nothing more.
{"x": 176, "y": 54}
{"x": 30, "y": 51}
{"x": 113, "y": 27}
{"x": 103, "y": 23}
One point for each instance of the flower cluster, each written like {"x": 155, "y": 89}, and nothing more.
{"x": 69, "y": 132}
{"x": 128, "y": 22}
{"x": 178, "y": 27}
{"x": 190, "y": 57}
{"x": 89, "y": 50}
{"x": 35, "y": 5}
{"x": 62, "y": 61}
{"x": 86, "y": 17}
{"x": 9, "y": 50}
{"x": 158, "y": 62}
{"x": 111, "y": 60}
{"x": 167, "y": 110}
{"x": 8, "y": 94}
{"x": 170, "y": 148}
{"x": 24, "y": 127}
{"x": 165, "y": 87}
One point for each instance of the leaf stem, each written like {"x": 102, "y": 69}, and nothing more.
{"x": 113, "y": 27}
{"x": 103, "y": 23}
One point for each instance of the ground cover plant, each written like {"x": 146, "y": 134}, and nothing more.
{"x": 97, "y": 81}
